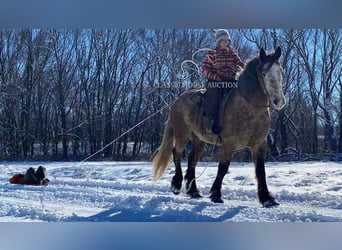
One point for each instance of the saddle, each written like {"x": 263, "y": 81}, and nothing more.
{"x": 200, "y": 98}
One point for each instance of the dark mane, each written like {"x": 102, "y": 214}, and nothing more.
{"x": 252, "y": 65}
{"x": 250, "y": 70}
{"x": 248, "y": 82}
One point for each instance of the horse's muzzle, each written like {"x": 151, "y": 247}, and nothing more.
{"x": 277, "y": 102}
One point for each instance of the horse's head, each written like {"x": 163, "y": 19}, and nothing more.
{"x": 270, "y": 75}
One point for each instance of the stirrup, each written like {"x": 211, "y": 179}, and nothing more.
{"x": 207, "y": 125}
{"x": 216, "y": 128}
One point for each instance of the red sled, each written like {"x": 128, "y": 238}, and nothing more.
{"x": 19, "y": 179}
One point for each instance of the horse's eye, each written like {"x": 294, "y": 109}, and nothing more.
{"x": 263, "y": 74}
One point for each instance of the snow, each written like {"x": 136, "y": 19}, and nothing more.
{"x": 124, "y": 191}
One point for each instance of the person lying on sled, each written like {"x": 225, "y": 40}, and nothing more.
{"x": 31, "y": 177}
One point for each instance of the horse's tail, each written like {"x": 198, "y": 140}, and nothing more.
{"x": 163, "y": 154}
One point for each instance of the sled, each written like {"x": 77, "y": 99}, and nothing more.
{"x": 19, "y": 179}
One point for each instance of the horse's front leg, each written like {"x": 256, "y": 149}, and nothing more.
{"x": 195, "y": 154}
{"x": 258, "y": 154}
{"x": 225, "y": 157}
{"x": 215, "y": 191}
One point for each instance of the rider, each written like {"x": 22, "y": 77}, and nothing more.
{"x": 219, "y": 67}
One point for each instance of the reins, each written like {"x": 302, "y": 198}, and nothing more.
{"x": 252, "y": 104}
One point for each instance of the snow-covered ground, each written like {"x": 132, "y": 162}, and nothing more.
{"x": 124, "y": 191}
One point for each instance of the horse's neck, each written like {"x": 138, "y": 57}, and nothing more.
{"x": 250, "y": 88}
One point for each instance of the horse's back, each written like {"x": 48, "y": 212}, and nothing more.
{"x": 188, "y": 103}
{"x": 191, "y": 96}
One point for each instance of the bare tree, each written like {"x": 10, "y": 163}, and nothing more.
{"x": 71, "y": 92}
{"x": 62, "y": 73}
{"x": 331, "y": 52}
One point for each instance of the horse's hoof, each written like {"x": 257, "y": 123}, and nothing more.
{"x": 175, "y": 190}
{"x": 195, "y": 195}
{"x": 270, "y": 203}
{"x": 216, "y": 199}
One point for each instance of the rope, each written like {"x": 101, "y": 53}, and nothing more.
{"x": 123, "y": 134}
{"x": 192, "y": 61}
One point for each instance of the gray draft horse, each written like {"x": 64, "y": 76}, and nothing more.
{"x": 245, "y": 122}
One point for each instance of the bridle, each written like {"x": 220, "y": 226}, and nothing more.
{"x": 264, "y": 91}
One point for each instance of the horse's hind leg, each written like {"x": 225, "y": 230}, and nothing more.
{"x": 177, "y": 179}
{"x": 258, "y": 154}
{"x": 195, "y": 154}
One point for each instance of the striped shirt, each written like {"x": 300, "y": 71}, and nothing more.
{"x": 220, "y": 64}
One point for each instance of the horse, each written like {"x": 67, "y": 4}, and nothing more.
{"x": 245, "y": 122}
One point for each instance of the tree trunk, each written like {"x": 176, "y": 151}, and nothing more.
{"x": 340, "y": 122}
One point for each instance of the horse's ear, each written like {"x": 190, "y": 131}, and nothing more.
{"x": 277, "y": 53}
{"x": 262, "y": 54}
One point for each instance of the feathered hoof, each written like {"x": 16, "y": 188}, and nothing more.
{"x": 270, "y": 203}
{"x": 215, "y": 196}
{"x": 216, "y": 199}
{"x": 195, "y": 195}
{"x": 175, "y": 190}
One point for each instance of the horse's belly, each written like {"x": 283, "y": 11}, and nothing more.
{"x": 208, "y": 138}
{"x": 239, "y": 137}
